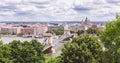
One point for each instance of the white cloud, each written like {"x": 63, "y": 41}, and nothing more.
{"x": 7, "y": 13}
{"x": 58, "y": 9}
{"x": 12, "y": 1}
{"x": 27, "y": 7}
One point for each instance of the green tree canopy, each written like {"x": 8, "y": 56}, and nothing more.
{"x": 80, "y": 32}
{"x": 5, "y": 53}
{"x": 117, "y": 15}
{"x": 27, "y": 52}
{"x": 91, "y": 31}
{"x": 111, "y": 40}
{"x": 22, "y": 52}
{"x": 84, "y": 49}
{"x": 57, "y": 31}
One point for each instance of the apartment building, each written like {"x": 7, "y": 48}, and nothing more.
{"x": 11, "y": 30}
{"x": 34, "y": 30}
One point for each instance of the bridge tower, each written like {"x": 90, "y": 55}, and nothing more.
{"x": 66, "y": 30}
{"x": 48, "y": 43}
{"x": 47, "y": 39}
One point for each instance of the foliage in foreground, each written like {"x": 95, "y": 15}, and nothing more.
{"x": 84, "y": 49}
{"x": 22, "y": 52}
{"x": 93, "y": 31}
{"x": 111, "y": 40}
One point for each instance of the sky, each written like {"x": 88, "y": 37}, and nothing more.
{"x": 58, "y": 10}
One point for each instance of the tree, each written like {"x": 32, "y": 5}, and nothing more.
{"x": 80, "y": 32}
{"x": 27, "y": 52}
{"x": 72, "y": 32}
{"x": 57, "y": 31}
{"x": 91, "y": 31}
{"x": 117, "y": 15}
{"x": 21, "y": 52}
{"x": 111, "y": 39}
{"x": 53, "y": 60}
{"x": 4, "y": 53}
{"x": 84, "y": 49}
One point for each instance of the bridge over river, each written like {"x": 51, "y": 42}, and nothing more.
{"x": 53, "y": 47}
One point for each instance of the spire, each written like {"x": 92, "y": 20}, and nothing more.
{"x": 86, "y": 19}
{"x": 86, "y": 22}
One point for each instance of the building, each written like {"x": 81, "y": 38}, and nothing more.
{"x": 11, "y": 30}
{"x": 81, "y": 26}
{"x": 34, "y": 30}
{"x": 24, "y": 29}
{"x": 43, "y": 29}
{"x": 27, "y": 31}
{"x": 86, "y": 24}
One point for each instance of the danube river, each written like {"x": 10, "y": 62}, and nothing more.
{"x": 10, "y": 39}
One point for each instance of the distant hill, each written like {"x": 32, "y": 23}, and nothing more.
{"x": 44, "y": 22}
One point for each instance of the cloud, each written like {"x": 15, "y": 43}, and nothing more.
{"x": 7, "y": 13}
{"x": 57, "y": 10}
{"x": 80, "y": 8}
{"x": 7, "y": 8}
{"x": 113, "y": 1}
{"x": 11, "y": 1}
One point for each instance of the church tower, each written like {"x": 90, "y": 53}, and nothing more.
{"x": 86, "y": 22}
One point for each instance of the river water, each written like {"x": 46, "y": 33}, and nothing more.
{"x": 10, "y": 39}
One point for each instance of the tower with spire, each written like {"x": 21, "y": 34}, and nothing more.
{"x": 86, "y": 22}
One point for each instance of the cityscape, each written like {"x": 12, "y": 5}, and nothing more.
{"x": 36, "y": 30}
{"x": 59, "y": 31}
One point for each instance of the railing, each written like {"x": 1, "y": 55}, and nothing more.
{"x": 57, "y": 41}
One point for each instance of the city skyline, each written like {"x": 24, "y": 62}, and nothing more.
{"x": 58, "y": 10}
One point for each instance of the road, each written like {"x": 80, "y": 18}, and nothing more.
{"x": 58, "y": 47}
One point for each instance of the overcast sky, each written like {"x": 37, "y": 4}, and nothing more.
{"x": 58, "y": 10}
